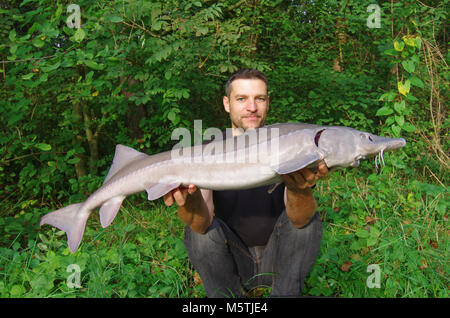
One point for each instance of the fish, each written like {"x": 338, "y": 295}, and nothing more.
{"x": 255, "y": 158}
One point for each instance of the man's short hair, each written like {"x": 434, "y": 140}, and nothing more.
{"x": 245, "y": 73}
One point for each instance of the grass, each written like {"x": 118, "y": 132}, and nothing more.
{"x": 392, "y": 220}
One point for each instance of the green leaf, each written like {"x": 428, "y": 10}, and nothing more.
{"x": 91, "y": 64}
{"x": 391, "y": 52}
{"x": 396, "y": 130}
{"x": 13, "y": 48}
{"x": 398, "y": 46}
{"x": 409, "y": 40}
{"x": 400, "y": 120}
{"x": 415, "y": 81}
{"x": 408, "y": 127}
{"x": 418, "y": 42}
{"x": 171, "y": 115}
{"x": 37, "y": 42}
{"x": 312, "y": 94}
{"x": 362, "y": 233}
{"x": 400, "y": 107}
{"x": 157, "y": 25}
{"x": 371, "y": 241}
{"x": 28, "y": 76}
{"x": 50, "y": 68}
{"x": 384, "y": 111}
{"x": 356, "y": 245}
{"x": 409, "y": 66}
{"x": 44, "y": 77}
{"x": 43, "y": 147}
{"x": 389, "y": 96}
{"x": 73, "y": 160}
{"x": 116, "y": 19}
{"x": 17, "y": 290}
{"x": 79, "y": 35}
{"x": 12, "y": 35}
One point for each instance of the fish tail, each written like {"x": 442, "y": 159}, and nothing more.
{"x": 69, "y": 220}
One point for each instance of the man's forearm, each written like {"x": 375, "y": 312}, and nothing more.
{"x": 300, "y": 206}
{"x": 195, "y": 213}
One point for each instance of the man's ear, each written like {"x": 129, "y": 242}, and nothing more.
{"x": 226, "y": 104}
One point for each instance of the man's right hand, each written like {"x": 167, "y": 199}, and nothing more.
{"x": 179, "y": 195}
{"x": 195, "y": 208}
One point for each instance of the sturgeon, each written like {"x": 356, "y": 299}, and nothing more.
{"x": 255, "y": 158}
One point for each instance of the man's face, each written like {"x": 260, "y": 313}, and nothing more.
{"x": 247, "y": 104}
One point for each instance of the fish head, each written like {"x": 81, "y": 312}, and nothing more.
{"x": 371, "y": 145}
{"x": 346, "y": 147}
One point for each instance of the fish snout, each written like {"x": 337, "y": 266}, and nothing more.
{"x": 374, "y": 144}
{"x": 396, "y": 144}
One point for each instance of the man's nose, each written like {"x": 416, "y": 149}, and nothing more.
{"x": 251, "y": 105}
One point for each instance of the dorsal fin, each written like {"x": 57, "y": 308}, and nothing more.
{"x": 122, "y": 157}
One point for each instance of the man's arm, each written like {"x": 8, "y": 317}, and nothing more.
{"x": 298, "y": 196}
{"x": 195, "y": 208}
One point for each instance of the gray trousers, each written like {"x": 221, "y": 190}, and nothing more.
{"x": 228, "y": 268}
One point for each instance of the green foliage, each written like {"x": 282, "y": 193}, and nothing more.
{"x": 364, "y": 223}
{"x": 395, "y": 108}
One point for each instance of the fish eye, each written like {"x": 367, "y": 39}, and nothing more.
{"x": 370, "y": 138}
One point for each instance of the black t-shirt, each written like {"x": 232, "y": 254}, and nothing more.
{"x": 251, "y": 213}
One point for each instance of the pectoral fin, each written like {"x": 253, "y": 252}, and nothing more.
{"x": 157, "y": 190}
{"x": 298, "y": 162}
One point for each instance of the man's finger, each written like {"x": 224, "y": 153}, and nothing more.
{"x": 291, "y": 180}
{"x": 322, "y": 169}
{"x": 192, "y": 189}
{"x": 308, "y": 175}
{"x": 168, "y": 199}
{"x": 179, "y": 196}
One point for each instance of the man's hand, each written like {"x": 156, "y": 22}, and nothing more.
{"x": 179, "y": 195}
{"x": 192, "y": 208}
{"x": 300, "y": 203}
{"x": 304, "y": 178}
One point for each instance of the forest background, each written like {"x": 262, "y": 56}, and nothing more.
{"x": 132, "y": 71}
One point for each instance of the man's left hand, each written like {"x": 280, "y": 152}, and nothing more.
{"x": 305, "y": 178}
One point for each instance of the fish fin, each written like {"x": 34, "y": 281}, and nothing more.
{"x": 273, "y": 187}
{"x": 157, "y": 190}
{"x": 122, "y": 157}
{"x": 109, "y": 209}
{"x": 298, "y": 162}
{"x": 70, "y": 221}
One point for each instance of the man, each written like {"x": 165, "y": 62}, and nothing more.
{"x": 238, "y": 240}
